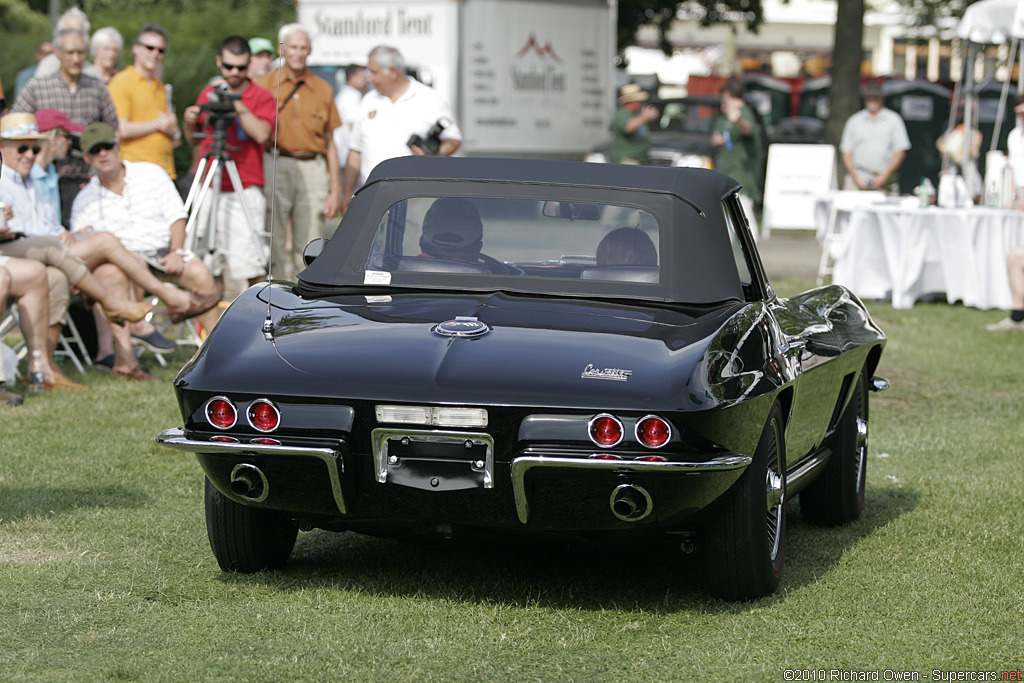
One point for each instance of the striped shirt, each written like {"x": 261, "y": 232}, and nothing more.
{"x": 88, "y": 103}
{"x": 141, "y": 216}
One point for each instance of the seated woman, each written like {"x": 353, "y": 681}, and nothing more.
{"x": 627, "y": 247}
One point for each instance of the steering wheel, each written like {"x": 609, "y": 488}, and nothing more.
{"x": 498, "y": 268}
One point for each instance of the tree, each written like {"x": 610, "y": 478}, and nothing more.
{"x": 661, "y": 13}
{"x": 847, "y": 55}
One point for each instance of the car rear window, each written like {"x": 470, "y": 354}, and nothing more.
{"x": 516, "y": 237}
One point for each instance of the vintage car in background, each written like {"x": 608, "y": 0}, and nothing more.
{"x": 519, "y": 346}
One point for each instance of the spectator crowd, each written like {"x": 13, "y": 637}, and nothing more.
{"x": 92, "y": 207}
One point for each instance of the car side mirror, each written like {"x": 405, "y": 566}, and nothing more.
{"x": 313, "y": 250}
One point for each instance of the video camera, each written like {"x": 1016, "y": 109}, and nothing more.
{"x": 221, "y": 102}
{"x": 432, "y": 143}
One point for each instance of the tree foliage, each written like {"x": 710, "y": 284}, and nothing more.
{"x": 931, "y": 13}
{"x": 660, "y": 14}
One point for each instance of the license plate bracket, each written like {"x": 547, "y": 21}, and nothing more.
{"x": 434, "y": 460}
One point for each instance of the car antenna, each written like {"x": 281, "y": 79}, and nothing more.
{"x": 268, "y": 323}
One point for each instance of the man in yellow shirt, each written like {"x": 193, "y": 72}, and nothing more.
{"x": 147, "y": 129}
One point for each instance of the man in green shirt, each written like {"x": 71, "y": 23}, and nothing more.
{"x": 737, "y": 138}
{"x": 632, "y": 141}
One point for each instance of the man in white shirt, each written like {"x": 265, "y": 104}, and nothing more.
{"x": 350, "y": 95}
{"x": 873, "y": 145}
{"x": 138, "y": 203}
{"x": 399, "y": 108}
{"x": 1015, "y": 151}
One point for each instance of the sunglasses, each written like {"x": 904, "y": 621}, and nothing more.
{"x": 24, "y": 148}
{"x": 235, "y": 67}
{"x": 100, "y": 147}
{"x": 153, "y": 48}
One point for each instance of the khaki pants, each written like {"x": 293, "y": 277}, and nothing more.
{"x": 62, "y": 268}
{"x": 296, "y": 191}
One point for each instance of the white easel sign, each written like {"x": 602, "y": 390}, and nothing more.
{"x": 797, "y": 174}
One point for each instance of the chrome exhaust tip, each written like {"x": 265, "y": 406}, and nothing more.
{"x": 631, "y": 503}
{"x": 249, "y": 482}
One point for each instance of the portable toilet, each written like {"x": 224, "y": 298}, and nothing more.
{"x": 769, "y": 95}
{"x": 814, "y": 98}
{"x": 924, "y": 107}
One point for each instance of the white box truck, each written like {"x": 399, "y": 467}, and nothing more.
{"x": 525, "y": 78}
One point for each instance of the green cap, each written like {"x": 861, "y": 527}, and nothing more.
{"x": 97, "y": 133}
{"x": 258, "y": 45}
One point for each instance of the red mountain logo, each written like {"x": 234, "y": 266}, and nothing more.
{"x": 542, "y": 52}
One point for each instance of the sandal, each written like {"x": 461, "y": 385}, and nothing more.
{"x": 201, "y": 303}
{"x": 132, "y": 313}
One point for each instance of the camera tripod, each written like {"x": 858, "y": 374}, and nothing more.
{"x": 204, "y": 196}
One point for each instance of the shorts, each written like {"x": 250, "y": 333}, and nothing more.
{"x": 237, "y": 248}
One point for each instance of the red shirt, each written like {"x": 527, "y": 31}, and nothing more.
{"x": 247, "y": 153}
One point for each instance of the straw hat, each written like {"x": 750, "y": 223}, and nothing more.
{"x": 21, "y": 126}
{"x": 632, "y": 93}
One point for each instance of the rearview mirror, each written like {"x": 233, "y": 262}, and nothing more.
{"x": 571, "y": 211}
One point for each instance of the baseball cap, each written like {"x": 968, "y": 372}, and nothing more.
{"x": 258, "y": 45}
{"x": 872, "y": 90}
{"x": 452, "y": 223}
{"x": 97, "y": 133}
{"x": 49, "y": 119}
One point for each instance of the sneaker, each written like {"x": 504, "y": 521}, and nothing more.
{"x": 1004, "y": 325}
{"x": 106, "y": 362}
{"x": 9, "y": 399}
{"x": 155, "y": 342}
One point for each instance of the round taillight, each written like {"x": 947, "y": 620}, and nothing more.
{"x": 221, "y": 413}
{"x": 605, "y": 431}
{"x": 263, "y": 415}
{"x": 653, "y": 432}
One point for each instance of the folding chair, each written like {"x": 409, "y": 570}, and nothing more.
{"x": 833, "y": 240}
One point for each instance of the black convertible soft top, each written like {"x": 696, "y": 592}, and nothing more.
{"x": 689, "y": 184}
{"x": 697, "y": 256}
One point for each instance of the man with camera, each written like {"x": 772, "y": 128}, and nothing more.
{"x": 400, "y": 117}
{"x": 237, "y": 116}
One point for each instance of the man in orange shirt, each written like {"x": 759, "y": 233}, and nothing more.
{"x": 307, "y": 187}
{"x": 147, "y": 129}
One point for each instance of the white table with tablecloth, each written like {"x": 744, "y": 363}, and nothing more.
{"x": 905, "y": 253}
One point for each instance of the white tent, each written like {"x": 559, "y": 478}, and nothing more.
{"x": 987, "y": 22}
{"x": 992, "y": 21}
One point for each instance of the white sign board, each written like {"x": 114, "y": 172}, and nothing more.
{"x": 796, "y": 175}
{"x": 425, "y": 32}
{"x": 522, "y": 76}
{"x": 536, "y": 71}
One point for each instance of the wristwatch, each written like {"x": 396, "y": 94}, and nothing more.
{"x": 178, "y": 252}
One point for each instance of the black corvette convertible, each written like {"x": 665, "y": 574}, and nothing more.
{"x": 544, "y": 347}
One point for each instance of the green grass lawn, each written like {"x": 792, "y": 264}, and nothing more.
{"x": 105, "y": 571}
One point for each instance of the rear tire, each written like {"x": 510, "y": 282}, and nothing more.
{"x": 247, "y": 539}
{"x": 745, "y": 544}
{"x": 837, "y": 496}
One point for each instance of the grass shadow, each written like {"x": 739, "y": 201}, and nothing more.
{"x": 557, "y": 574}
{"x": 48, "y": 501}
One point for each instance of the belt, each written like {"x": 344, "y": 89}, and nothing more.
{"x": 301, "y": 156}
